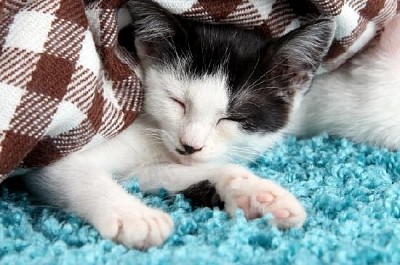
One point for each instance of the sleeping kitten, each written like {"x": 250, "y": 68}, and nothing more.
{"x": 213, "y": 94}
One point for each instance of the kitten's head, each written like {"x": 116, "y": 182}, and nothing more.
{"x": 219, "y": 92}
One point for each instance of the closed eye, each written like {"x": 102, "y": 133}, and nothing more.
{"x": 180, "y": 103}
{"x": 234, "y": 119}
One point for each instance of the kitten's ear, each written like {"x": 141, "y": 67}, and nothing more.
{"x": 299, "y": 53}
{"x": 152, "y": 27}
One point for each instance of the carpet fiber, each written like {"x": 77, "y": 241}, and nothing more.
{"x": 351, "y": 193}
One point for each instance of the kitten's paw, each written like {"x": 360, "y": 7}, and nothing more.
{"x": 140, "y": 227}
{"x": 257, "y": 197}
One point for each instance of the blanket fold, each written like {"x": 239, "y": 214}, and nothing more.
{"x": 66, "y": 85}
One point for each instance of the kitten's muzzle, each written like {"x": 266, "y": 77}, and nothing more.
{"x": 188, "y": 150}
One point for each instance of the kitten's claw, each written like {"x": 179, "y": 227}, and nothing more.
{"x": 257, "y": 197}
{"x": 141, "y": 227}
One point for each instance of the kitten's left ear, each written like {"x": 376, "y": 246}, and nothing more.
{"x": 152, "y": 28}
{"x": 299, "y": 53}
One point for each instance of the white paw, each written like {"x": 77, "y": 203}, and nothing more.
{"x": 239, "y": 188}
{"x": 136, "y": 226}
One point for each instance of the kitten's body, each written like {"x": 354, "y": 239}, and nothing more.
{"x": 209, "y": 99}
{"x": 360, "y": 100}
{"x": 86, "y": 183}
{"x": 213, "y": 94}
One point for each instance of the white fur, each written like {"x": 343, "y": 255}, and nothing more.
{"x": 359, "y": 100}
{"x": 86, "y": 181}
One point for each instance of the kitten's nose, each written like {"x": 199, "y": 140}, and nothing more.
{"x": 190, "y": 149}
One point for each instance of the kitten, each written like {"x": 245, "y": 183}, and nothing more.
{"x": 213, "y": 94}
{"x": 360, "y": 100}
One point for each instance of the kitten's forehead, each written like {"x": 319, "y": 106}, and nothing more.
{"x": 207, "y": 93}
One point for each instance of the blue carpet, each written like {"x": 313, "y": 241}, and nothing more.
{"x": 351, "y": 193}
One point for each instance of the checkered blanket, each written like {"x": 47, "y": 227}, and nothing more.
{"x": 65, "y": 84}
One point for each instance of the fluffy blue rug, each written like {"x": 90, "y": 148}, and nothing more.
{"x": 351, "y": 193}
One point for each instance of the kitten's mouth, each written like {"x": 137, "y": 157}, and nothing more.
{"x": 186, "y": 158}
{"x": 181, "y": 152}
{"x": 188, "y": 150}
{"x": 184, "y": 152}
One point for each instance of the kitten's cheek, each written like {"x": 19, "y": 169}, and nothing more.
{"x": 227, "y": 130}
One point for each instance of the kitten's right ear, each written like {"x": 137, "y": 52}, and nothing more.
{"x": 152, "y": 27}
{"x": 298, "y": 54}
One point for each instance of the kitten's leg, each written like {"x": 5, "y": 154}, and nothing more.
{"x": 237, "y": 188}
{"x": 96, "y": 197}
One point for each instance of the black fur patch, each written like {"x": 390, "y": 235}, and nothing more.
{"x": 263, "y": 74}
{"x": 203, "y": 194}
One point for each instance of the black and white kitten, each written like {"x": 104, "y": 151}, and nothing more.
{"x": 213, "y": 94}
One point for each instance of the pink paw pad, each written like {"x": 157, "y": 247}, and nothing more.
{"x": 281, "y": 214}
{"x": 243, "y": 202}
{"x": 265, "y": 197}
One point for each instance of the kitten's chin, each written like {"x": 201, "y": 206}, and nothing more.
{"x": 194, "y": 161}
{"x": 190, "y": 161}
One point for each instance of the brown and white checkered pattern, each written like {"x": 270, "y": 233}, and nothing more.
{"x": 66, "y": 85}
{"x": 62, "y": 88}
{"x": 358, "y": 21}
